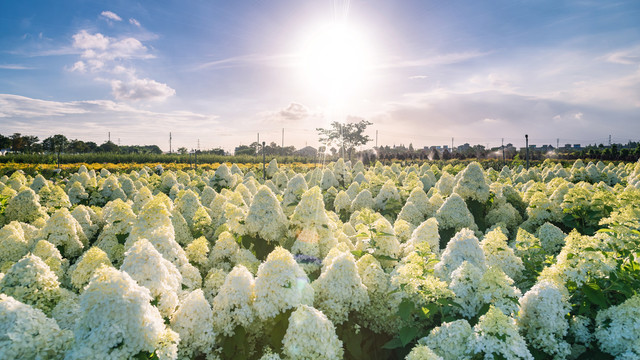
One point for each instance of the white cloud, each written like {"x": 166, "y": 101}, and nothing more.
{"x": 141, "y": 89}
{"x": 418, "y": 77}
{"x": 111, "y": 15}
{"x": 444, "y": 59}
{"x": 14, "y": 67}
{"x": 294, "y": 113}
{"x": 84, "y": 40}
{"x": 98, "y": 46}
{"x": 79, "y": 66}
{"x": 135, "y": 22}
{"x": 629, "y": 56}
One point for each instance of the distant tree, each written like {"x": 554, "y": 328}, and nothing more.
{"x": 5, "y": 142}
{"x": 17, "y": 142}
{"x": 245, "y": 150}
{"x": 182, "y": 150}
{"x": 78, "y": 147}
{"x": 108, "y": 146}
{"x": 347, "y": 136}
{"x": 29, "y": 142}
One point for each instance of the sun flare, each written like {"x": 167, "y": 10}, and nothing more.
{"x": 335, "y": 61}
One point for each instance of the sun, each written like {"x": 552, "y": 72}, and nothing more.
{"x": 335, "y": 61}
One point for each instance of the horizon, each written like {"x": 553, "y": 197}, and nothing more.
{"x": 421, "y": 72}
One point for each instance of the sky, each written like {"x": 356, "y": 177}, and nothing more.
{"x": 217, "y": 73}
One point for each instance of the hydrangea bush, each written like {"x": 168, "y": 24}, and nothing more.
{"x": 345, "y": 261}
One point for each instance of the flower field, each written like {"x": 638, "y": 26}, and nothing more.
{"x": 344, "y": 261}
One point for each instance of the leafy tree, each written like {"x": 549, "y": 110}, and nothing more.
{"x": 108, "y": 147}
{"x": 5, "y": 142}
{"x": 347, "y": 136}
{"x": 17, "y": 142}
{"x": 182, "y": 150}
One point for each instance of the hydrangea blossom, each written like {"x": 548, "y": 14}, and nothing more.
{"x": 328, "y": 180}
{"x": 464, "y": 246}
{"x": 380, "y": 314}
{"x": 411, "y": 213}
{"x": 422, "y": 352}
{"x": 445, "y": 184}
{"x": 117, "y": 320}
{"x": 414, "y": 276}
{"x": 551, "y": 238}
{"x": 453, "y": 214}
{"x": 618, "y": 329}
{"x": 388, "y": 194}
{"x": 67, "y": 309}
{"x": 27, "y": 333}
{"x": 213, "y": 282}
{"x": 465, "y": 281}
{"x": 76, "y": 193}
{"x": 403, "y": 230}
{"x": 339, "y": 289}
{"x": 193, "y": 321}
{"x": 496, "y": 333}
{"x": 147, "y": 266}
{"x": 197, "y": 252}
{"x": 311, "y": 335}
{"x": 311, "y": 217}
{"x": 498, "y": 254}
{"x": 265, "y": 218}
{"x": 82, "y": 270}
{"x": 25, "y": 207}
{"x": 64, "y": 231}
{"x": 342, "y": 202}
{"x": 427, "y": 233}
{"x": 542, "y": 318}
{"x": 53, "y": 197}
{"x": 281, "y": 284}
{"x": 293, "y": 193}
{"x": 233, "y": 306}
{"x": 450, "y": 340}
{"x": 364, "y": 200}
{"x": 13, "y": 243}
{"x": 52, "y": 257}
{"x": 87, "y": 219}
{"x": 32, "y": 282}
{"x": 472, "y": 184}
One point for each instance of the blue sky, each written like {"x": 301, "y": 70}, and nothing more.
{"x": 222, "y": 71}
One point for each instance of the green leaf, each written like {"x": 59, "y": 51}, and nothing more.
{"x": 407, "y": 334}
{"x": 358, "y": 253}
{"x": 594, "y": 294}
{"x": 393, "y": 344}
{"x": 384, "y": 257}
{"x": 405, "y": 309}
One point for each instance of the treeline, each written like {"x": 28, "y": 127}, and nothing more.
{"x": 29, "y": 144}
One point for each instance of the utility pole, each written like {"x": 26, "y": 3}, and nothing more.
{"x": 258, "y": 145}
{"x": 282, "y": 146}
{"x": 609, "y": 140}
{"x": 264, "y": 159}
{"x": 526, "y": 138}
{"x": 109, "y": 136}
{"x": 169, "y": 143}
{"x": 452, "y": 145}
{"x": 198, "y": 144}
{"x": 118, "y": 141}
{"x": 504, "y": 160}
{"x": 376, "y": 139}
{"x": 557, "y": 143}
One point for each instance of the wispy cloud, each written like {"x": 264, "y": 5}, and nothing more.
{"x": 135, "y": 22}
{"x": 443, "y": 59}
{"x": 15, "y": 67}
{"x": 283, "y": 60}
{"x": 294, "y": 114}
{"x": 626, "y": 57}
{"x": 141, "y": 89}
{"x": 110, "y": 15}
{"x": 418, "y": 77}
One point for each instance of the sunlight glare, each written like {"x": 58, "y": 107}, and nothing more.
{"x": 335, "y": 60}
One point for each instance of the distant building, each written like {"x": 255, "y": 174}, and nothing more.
{"x": 576, "y": 146}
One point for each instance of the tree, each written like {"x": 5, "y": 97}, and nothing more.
{"x": 183, "y": 150}
{"x": 109, "y": 147}
{"x": 347, "y": 136}
{"x": 5, "y": 142}
{"x": 17, "y": 142}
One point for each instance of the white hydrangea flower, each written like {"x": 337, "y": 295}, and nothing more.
{"x": 339, "y": 289}
{"x": 233, "y": 306}
{"x": 77, "y": 193}
{"x": 426, "y": 232}
{"x": 64, "y": 231}
{"x": 542, "y": 318}
{"x": 265, "y": 218}
{"x": 86, "y": 217}
{"x": 496, "y": 288}
{"x": 453, "y": 214}
{"x": 445, "y": 184}
{"x": 281, "y": 284}
{"x": 472, "y": 184}
{"x": 147, "y": 266}
{"x": 364, "y": 200}
{"x": 223, "y": 251}
{"x": 411, "y": 213}
{"x": 422, "y": 352}
{"x": 272, "y": 168}
{"x": 450, "y": 340}
{"x": 27, "y": 333}
{"x": 618, "y": 329}
{"x": 53, "y": 197}
{"x": 464, "y": 246}
{"x": 403, "y": 230}
{"x": 342, "y": 202}
{"x": 197, "y": 252}
{"x": 579, "y": 328}
{"x": 13, "y": 243}
{"x": 32, "y": 282}
{"x": 222, "y": 178}
{"x": 551, "y": 238}
{"x": 414, "y": 276}
{"x": 82, "y": 271}
{"x": 328, "y": 180}
{"x": 311, "y": 216}
{"x": 118, "y": 321}
{"x": 193, "y": 321}
{"x": 66, "y": 310}
{"x": 213, "y": 282}
{"x": 25, "y": 207}
{"x": 293, "y": 193}
{"x": 498, "y": 254}
{"x": 388, "y": 193}
{"x": 465, "y": 281}
{"x": 496, "y": 333}
{"x": 52, "y": 257}
{"x": 311, "y": 335}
